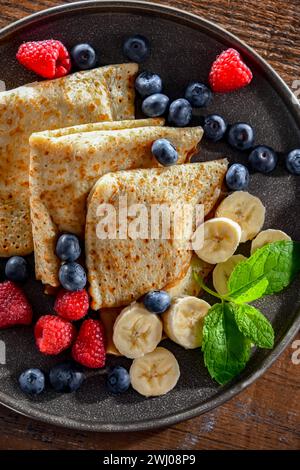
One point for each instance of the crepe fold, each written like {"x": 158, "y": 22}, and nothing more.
{"x": 103, "y": 94}
{"x": 65, "y": 164}
{"x": 122, "y": 270}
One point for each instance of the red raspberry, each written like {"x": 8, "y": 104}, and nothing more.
{"x": 229, "y": 72}
{"x": 49, "y": 59}
{"x": 14, "y": 307}
{"x": 89, "y": 347}
{"x": 72, "y": 305}
{"x": 53, "y": 334}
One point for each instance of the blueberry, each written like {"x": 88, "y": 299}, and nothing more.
{"x": 118, "y": 380}
{"x": 241, "y": 136}
{"x": 32, "y": 381}
{"x": 292, "y": 161}
{"x": 180, "y": 112}
{"x": 198, "y": 94}
{"x": 157, "y": 301}
{"x": 155, "y": 105}
{"x": 66, "y": 377}
{"x": 214, "y": 127}
{"x": 68, "y": 247}
{"x": 72, "y": 276}
{"x": 16, "y": 269}
{"x": 263, "y": 159}
{"x": 84, "y": 56}
{"x": 164, "y": 152}
{"x": 237, "y": 177}
{"x": 136, "y": 48}
{"x": 148, "y": 83}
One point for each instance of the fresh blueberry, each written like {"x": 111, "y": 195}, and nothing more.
{"x": 32, "y": 381}
{"x": 84, "y": 56}
{"x": 263, "y": 159}
{"x": 136, "y": 48}
{"x": 66, "y": 377}
{"x": 292, "y": 161}
{"x": 157, "y": 301}
{"x": 180, "y": 112}
{"x": 72, "y": 276}
{"x": 155, "y": 105}
{"x": 237, "y": 177}
{"x": 214, "y": 127}
{"x": 118, "y": 380}
{"x": 148, "y": 83}
{"x": 68, "y": 247}
{"x": 164, "y": 152}
{"x": 198, "y": 94}
{"x": 241, "y": 136}
{"x": 16, "y": 269}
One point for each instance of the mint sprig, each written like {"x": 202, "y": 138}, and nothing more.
{"x": 231, "y": 326}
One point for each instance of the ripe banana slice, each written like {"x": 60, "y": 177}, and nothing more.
{"x": 245, "y": 209}
{"x": 188, "y": 285}
{"x": 136, "y": 331}
{"x": 221, "y": 239}
{"x": 268, "y": 236}
{"x": 183, "y": 321}
{"x": 222, "y": 272}
{"x": 155, "y": 374}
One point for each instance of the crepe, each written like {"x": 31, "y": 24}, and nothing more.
{"x": 122, "y": 270}
{"x": 65, "y": 165}
{"x": 103, "y": 94}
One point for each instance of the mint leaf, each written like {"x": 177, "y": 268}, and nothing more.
{"x": 226, "y": 350}
{"x": 278, "y": 262}
{"x": 254, "y": 325}
{"x": 255, "y": 291}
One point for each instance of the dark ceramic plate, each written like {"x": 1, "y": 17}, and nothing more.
{"x": 183, "y": 47}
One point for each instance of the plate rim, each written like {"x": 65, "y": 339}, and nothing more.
{"x": 288, "y": 97}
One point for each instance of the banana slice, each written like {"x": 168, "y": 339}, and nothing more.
{"x": 245, "y": 209}
{"x": 222, "y": 272}
{"x": 155, "y": 374}
{"x": 268, "y": 236}
{"x": 183, "y": 321}
{"x": 221, "y": 239}
{"x": 188, "y": 285}
{"x": 136, "y": 331}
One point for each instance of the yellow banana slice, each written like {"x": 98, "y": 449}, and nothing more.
{"x": 222, "y": 272}
{"x": 245, "y": 209}
{"x": 183, "y": 321}
{"x": 155, "y": 374}
{"x": 136, "y": 331}
{"x": 268, "y": 236}
{"x": 221, "y": 238}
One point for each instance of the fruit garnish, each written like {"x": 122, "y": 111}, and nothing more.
{"x": 263, "y": 159}
{"x": 164, "y": 152}
{"x": 72, "y": 305}
{"x": 14, "y": 306}
{"x": 157, "y": 301}
{"x": 68, "y": 247}
{"x": 16, "y": 269}
{"x": 49, "y": 58}
{"x": 229, "y": 72}
{"x": 148, "y": 83}
{"x": 198, "y": 94}
{"x": 241, "y": 136}
{"x": 89, "y": 347}
{"x": 72, "y": 276}
{"x": 84, "y": 56}
{"x": 214, "y": 127}
{"x": 231, "y": 326}
{"x": 237, "y": 177}
{"x": 66, "y": 377}
{"x": 222, "y": 271}
{"x": 53, "y": 334}
{"x": 136, "y": 48}
{"x": 180, "y": 112}
{"x": 268, "y": 236}
{"x": 32, "y": 382}
{"x": 118, "y": 380}
{"x": 155, "y": 105}
{"x": 292, "y": 162}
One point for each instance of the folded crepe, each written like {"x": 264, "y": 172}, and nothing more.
{"x": 122, "y": 270}
{"x": 103, "y": 94}
{"x": 65, "y": 165}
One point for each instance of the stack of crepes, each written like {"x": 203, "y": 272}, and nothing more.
{"x": 70, "y": 144}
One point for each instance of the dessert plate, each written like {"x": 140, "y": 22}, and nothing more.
{"x": 183, "y": 47}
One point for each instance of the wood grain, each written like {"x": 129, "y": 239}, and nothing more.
{"x": 266, "y": 415}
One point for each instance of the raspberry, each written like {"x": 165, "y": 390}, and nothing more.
{"x": 89, "y": 347}
{"x": 229, "y": 72}
{"x": 14, "y": 307}
{"x": 53, "y": 334}
{"x": 72, "y": 305}
{"x": 49, "y": 59}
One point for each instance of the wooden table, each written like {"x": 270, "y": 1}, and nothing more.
{"x": 266, "y": 415}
